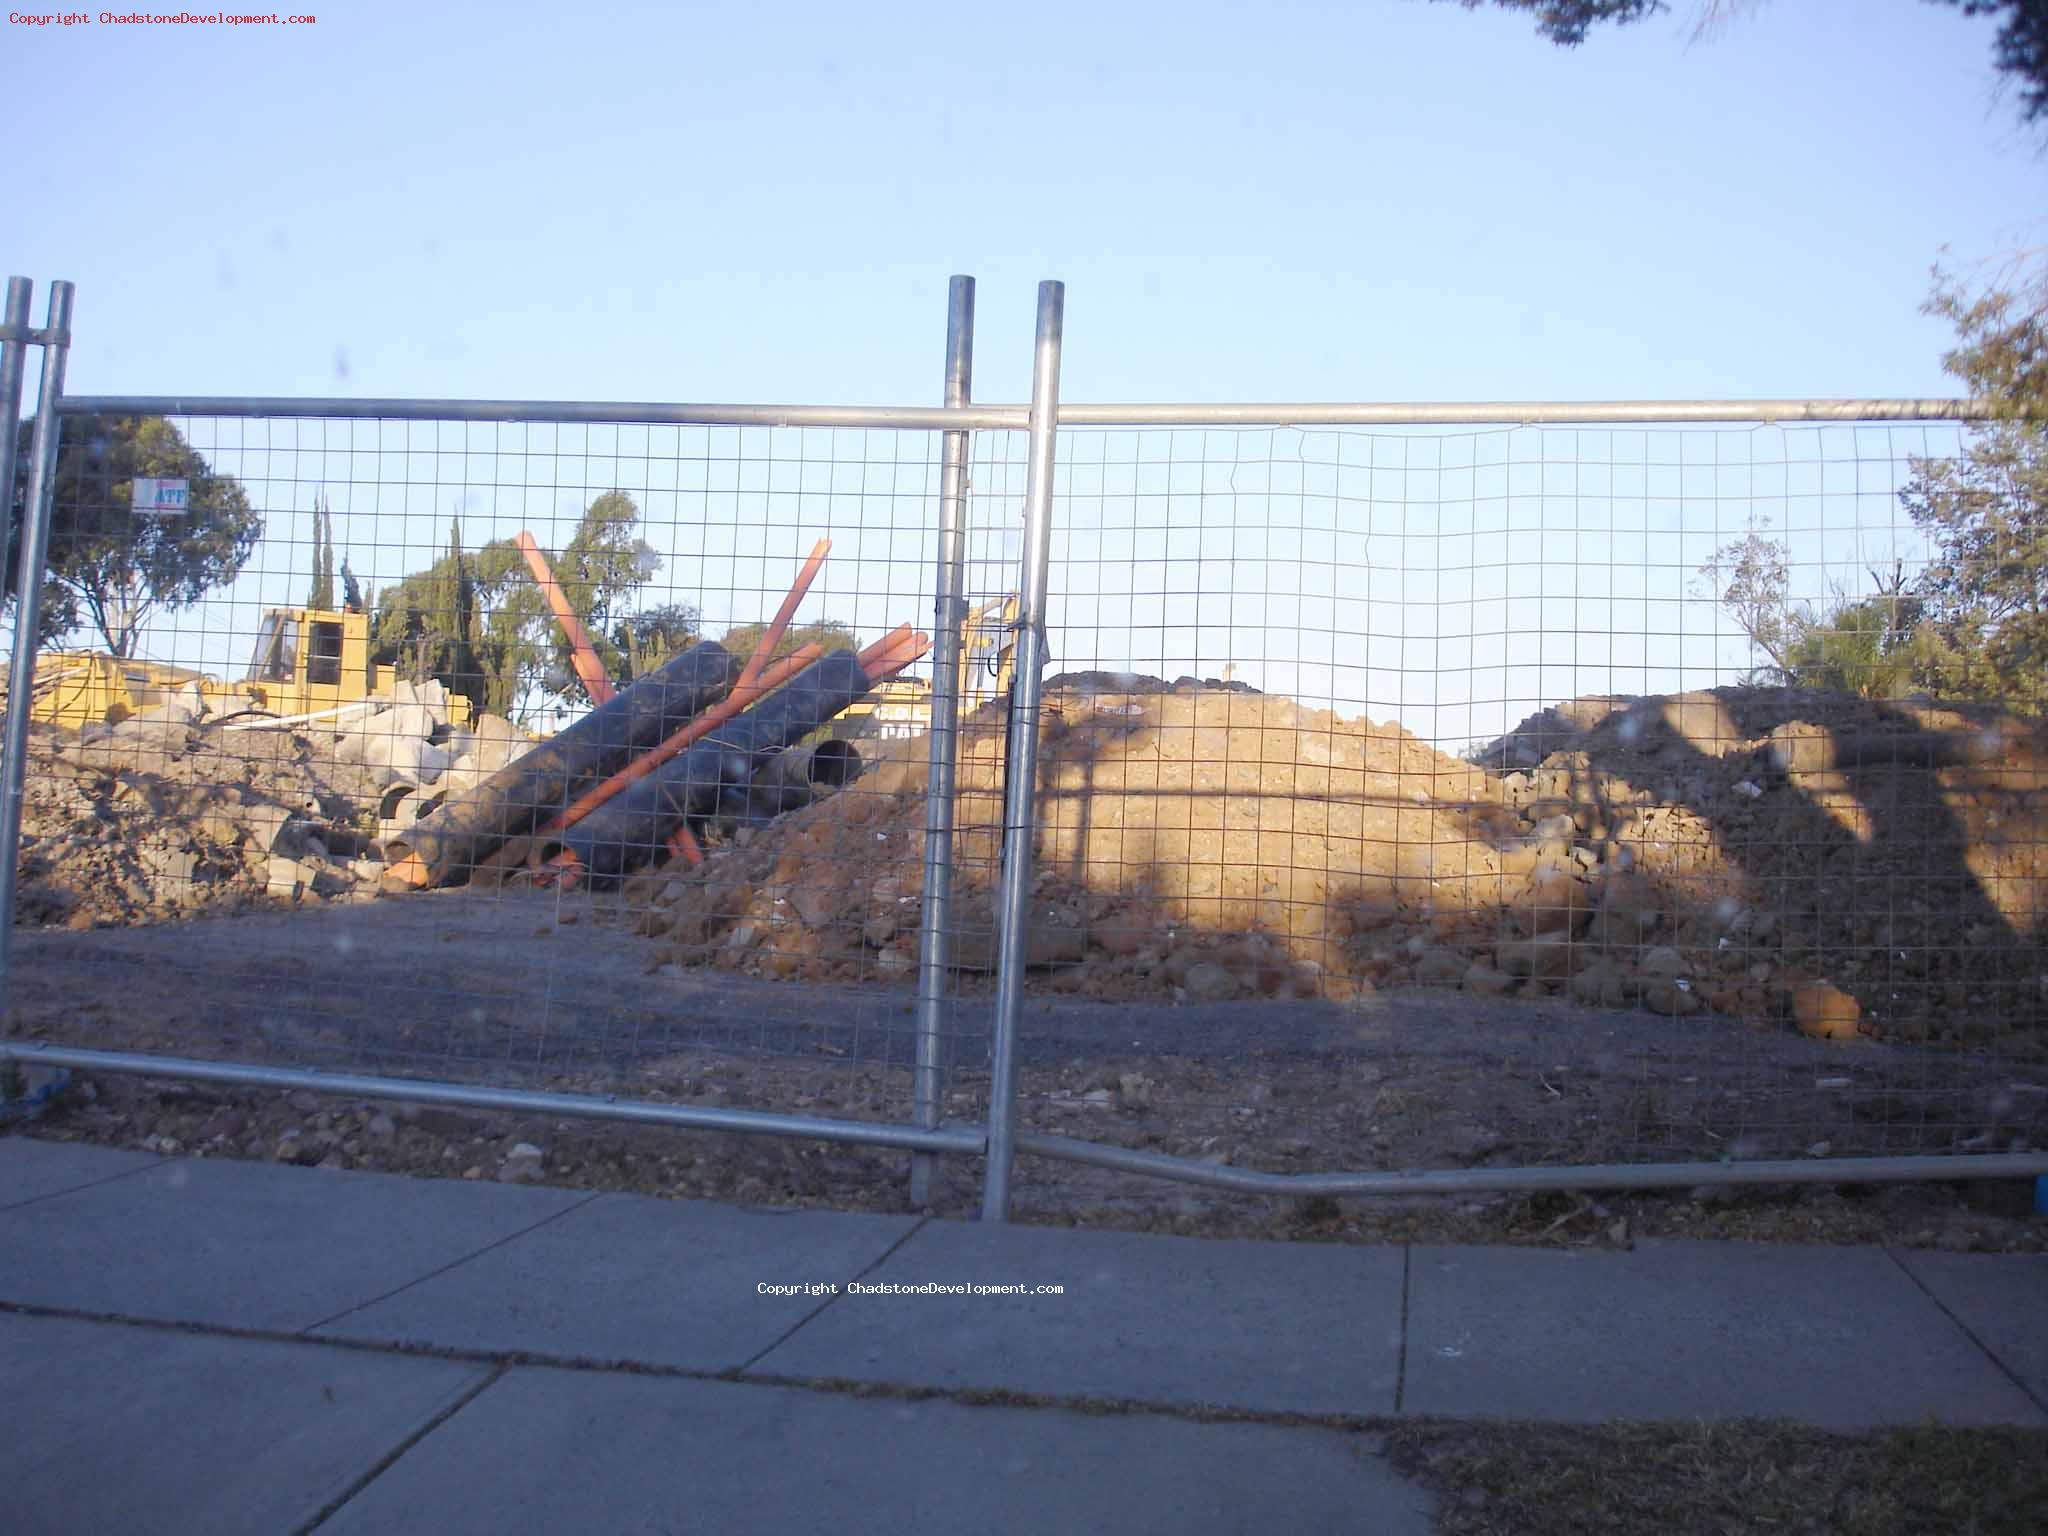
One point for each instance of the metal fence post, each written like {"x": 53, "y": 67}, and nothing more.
{"x": 949, "y": 617}
{"x": 1020, "y": 809}
{"x": 14, "y": 335}
{"x": 35, "y": 540}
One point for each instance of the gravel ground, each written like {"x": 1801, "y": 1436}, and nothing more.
{"x": 525, "y": 989}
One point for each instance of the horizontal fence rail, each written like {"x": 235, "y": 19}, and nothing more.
{"x": 1071, "y": 414}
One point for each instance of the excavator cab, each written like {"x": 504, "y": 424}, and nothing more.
{"x": 311, "y": 660}
{"x": 988, "y": 652}
{"x": 276, "y": 649}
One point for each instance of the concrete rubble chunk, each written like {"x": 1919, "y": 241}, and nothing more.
{"x": 496, "y": 741}
{"x": 265, "y": 824}
{"x": 288, "y": 877}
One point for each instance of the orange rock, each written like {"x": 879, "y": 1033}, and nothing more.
{"x": 1551, "y": 901}
{"x": 1825, "y": 1011}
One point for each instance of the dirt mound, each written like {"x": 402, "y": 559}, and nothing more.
{"x": 1213, "y": 842}
{"x": 1793, "y": 858}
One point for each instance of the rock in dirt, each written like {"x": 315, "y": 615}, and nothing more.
{"x": 1603, "y": 985}
{"x": 1482, "y": 980}
{"x": 1671, "y": 996}
{"x": 1552, "y": 900}
{"x": 1548, "y": 955}
{"x": 522, "y": 1165}
{"x": 1825, "y": 1011}
{"x": 1440, "y": 968}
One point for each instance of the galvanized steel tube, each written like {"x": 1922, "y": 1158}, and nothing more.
{"x": 1470, "y": 1181}
{"x": 1338, "y": 413}
{"x": 1020, "y": 799}
{"x": 513, "y": 1100}
{"x": 909, "y": 418}
{"x": 28, "y": 604}
{"x": 1515, "y": 413}
{"x": 949, "y": 620}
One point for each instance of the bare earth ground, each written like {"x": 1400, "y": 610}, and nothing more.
{"x": 525, "y": 989}
{"x": 1666, "y": 1480}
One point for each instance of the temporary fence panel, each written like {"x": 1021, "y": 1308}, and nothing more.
{"x": 1454, "y": 799}
{"x": 310, "y": 751}
{"x": 1395, "y": 797}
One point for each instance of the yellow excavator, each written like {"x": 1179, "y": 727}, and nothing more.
{"x": 903, "y": 706}
{"x": 312, "y": 662}
{"x": 307, "y": 662}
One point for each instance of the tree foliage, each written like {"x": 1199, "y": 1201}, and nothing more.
{"x": 1566, "y": 22}
{"x": 111, "y": 568}
{"x": 828, "y": 633}
{"x": 646, "y": 639}
{"x": 601, "y": 566}
{"x": 479, "y": 623}
{"x": 1985, "y": 628}
{"x": 441, "y": 623}
{"x": 2019, "y": 52}
{"x": 321, "y": 593}
{"x": 1857, "y": 644}
{"x": 1750, "y": 579}
{"x": 1974, "y": 623}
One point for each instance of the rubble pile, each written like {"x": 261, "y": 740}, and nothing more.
{"x": 1799, "y": 859}
{"x": 177, "y": 811}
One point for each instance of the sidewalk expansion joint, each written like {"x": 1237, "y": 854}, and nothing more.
{"x": 1968, "y": 1332}
{"x": 738, "y": 1371}
{"x": 504, "y": 1360}
{"x": 391, "y": 1458}
{"x": 453, "y": 1264}
{"x": 1401, "y": 1359}
{"x": 59, "y": 1194}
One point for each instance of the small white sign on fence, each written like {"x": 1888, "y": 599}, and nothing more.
{"x": 163, "y": 498}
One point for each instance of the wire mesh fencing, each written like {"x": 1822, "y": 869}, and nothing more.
{"x": 319, "y": 757}
{"x": 1440, "y": 798}
{"x": 1409, "y": 796}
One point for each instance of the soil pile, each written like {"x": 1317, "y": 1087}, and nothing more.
{"x": 1793, "y": 858}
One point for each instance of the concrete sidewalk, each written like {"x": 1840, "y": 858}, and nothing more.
{"x": 220, "y": 1346}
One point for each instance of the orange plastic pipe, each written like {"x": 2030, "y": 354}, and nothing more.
{"x": 683, "y": 842}
{"x": 886, "y": 644}
{"x": 582, "y": 654}
{"x": 779, "y": 625}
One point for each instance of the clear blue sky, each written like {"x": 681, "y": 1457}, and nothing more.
{"x": 1385, "y": 200}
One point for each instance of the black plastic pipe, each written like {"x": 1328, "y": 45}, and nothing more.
{"x": 537, "y": 784}
{"x": 634, "y": 826}
{"x": 789, "y": 781}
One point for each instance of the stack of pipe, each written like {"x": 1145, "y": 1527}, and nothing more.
{"x": 633, "y": 825}
{"x": 466, "y": 828}
{"x": 702, "y": 736}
